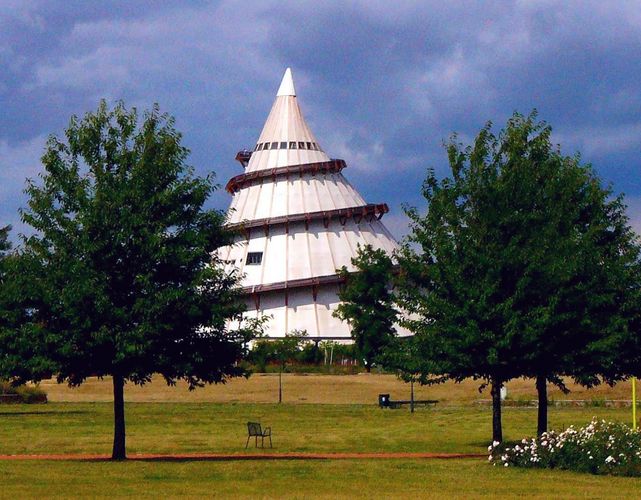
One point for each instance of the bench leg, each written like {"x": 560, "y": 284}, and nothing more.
{"x": 256, "y": 442}
{"x": 270, "y": 440}
{"x": 262, "y": 441}
{"x": 247, "y": 443}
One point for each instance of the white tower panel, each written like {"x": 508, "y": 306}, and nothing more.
{"x": 300, "y": 221}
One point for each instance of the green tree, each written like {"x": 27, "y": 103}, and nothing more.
{"x": 22, "y": 357}
{"x": 580, "y": 278}
{"x": 404, "y": 356}
{"x": 367, "y": 302}
{"x": 310, "y": 354}
{"x": 279, "y": 350}
{"x": 5, "y": 311}
{"x": 284, "y": 350}
{"x": 513, "y": 272}
{"x": 126, "y": 283}
{"x": 5, "y": 245}
{"x": 260, "y": 355}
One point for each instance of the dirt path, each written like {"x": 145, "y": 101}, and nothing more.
{"x": 183, "y": 457}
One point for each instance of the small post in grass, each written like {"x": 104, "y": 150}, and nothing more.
{"x": 634, "y": 403}
{"x": 412, "y": 396}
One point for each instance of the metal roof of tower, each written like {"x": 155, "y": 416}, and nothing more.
{"x": 286, "y": 138}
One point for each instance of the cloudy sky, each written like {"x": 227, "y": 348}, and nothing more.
{"x": 381, "y": 83}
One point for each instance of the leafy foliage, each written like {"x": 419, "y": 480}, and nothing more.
{"x": 287, "y": 348}
{"x": 322, "y": 357}
{"x": 406, "y": 356}
{"x": 5, "y": 245}
{"x": 281, "y": 350}
{"x": 525, "y": 267}
{"x": 119, "y": 277}
{"x": 367, "y": 302}
{"x": 278, "y": 350}
{"x": 19, "y": 356}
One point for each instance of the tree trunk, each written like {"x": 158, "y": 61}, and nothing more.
{"x": 118, "y": 452}
{"x": 497, "y": 429}
{"x": 541, "y": 389}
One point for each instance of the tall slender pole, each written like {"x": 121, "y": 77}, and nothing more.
{"x": 412, "y": 396}
{"x": 634, "y": 403}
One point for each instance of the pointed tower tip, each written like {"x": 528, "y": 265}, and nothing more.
{"x": 287, "y": 84}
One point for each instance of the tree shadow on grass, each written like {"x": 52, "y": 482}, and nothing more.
{"x": 481, "y": 445}
{"x": 43, "y": 413}
{"x": 226, "y": 458}
{"x": 175, "y": 459}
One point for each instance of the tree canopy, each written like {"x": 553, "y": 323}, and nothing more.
{"x": 124, "y": 280}
{"x": 519, "y": 267}
{"x": 5, "y": 246}
{"x": 5, "y": 312}
{"x": 367, "y": 302}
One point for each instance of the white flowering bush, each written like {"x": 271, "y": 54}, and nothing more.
{"x": 599, "y": 448}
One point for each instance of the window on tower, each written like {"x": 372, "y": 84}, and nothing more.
{"x": 254, "y": 258}
{"x": 292, "y": 145}
{"x": 301, "y": 145}
{"x": 274, "y": 145}
{"x": 283, "y": 145}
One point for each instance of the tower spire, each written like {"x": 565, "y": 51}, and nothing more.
{"x": 286, "y": 138}
{"x": 286, "y": 84}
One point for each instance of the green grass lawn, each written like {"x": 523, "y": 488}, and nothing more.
{"x": 213, "y": 427}
{"x": 302, "y": 479}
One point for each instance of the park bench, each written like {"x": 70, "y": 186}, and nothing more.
{"x": 256, "y": 431}
{"x": 384, "y": 401}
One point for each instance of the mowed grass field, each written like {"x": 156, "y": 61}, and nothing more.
{"x": 329, "y": 479}
{"x": 320, "y": 414}
{"x": 319, "y": 389}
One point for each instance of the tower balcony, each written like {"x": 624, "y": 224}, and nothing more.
{"x": 327, "y": 167}
{"x": 368, "y": 212}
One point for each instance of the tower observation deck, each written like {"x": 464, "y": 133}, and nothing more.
{"x": 300, "y": 221}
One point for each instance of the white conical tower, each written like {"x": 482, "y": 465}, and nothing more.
{"x": 301, "y": 221}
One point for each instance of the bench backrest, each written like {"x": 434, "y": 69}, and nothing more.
{"x": 254, "y": 429}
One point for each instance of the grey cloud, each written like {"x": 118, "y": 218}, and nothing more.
{"x": 17, "y": 163}
{"x": 381, "y": 84}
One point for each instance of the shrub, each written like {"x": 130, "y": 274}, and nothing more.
{"x": 310, "y": 354}
{"x": 599, "y": 448}
{"x": 307, "y": 358}
{"x": 21, "y": 393}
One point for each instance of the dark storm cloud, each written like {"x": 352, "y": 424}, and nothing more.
{"x": 381, "y": 84}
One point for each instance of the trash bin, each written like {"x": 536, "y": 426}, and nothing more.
{"x": 383, "y": 400}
